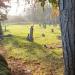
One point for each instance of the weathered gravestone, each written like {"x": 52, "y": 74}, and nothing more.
{"x": 30, "y": 35}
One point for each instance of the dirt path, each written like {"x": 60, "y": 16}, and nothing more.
{"x": 18, "y": 67}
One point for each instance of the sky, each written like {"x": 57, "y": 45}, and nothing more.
{"x": 19, "y": 9}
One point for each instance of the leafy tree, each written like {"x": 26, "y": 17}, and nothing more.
{"x": 53, "y": 2}
{"x": 2, "y": 16}
{"x": 4, "y": 70}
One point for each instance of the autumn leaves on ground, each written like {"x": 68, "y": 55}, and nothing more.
{"x": 43, "y": 56}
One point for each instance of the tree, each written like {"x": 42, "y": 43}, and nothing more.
{"x": 67, "y": 21}
{"x": 4, "y": 70}
{"x": 1, "y": 32}
{"x": 2, "y": 16}
{"x": 67, "y": 24}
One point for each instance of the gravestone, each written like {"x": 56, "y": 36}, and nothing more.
{"x": 52, "y": 30}
{"x": 30, "y": 35}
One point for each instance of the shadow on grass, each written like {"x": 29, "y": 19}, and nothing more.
{"x": 34, "y": 50}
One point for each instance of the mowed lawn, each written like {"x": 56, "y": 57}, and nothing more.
{"x": 19, "y": 47}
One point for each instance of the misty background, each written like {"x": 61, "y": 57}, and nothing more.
{"x": 30, "y": 13}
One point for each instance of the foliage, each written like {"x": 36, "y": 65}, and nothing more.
{"x": 42, "y": 2}
{"x": 54, "y": 12}
{"x": 3, "y": 16}
{"x": 53, "y": 2}
{"x": 4, "y": 7}
{"x": 2, "y": 3}
{"x": 4, "y": 70}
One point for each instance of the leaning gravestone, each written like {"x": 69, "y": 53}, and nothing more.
{"x": 52, "y": 30}
{"x": 30, "y": 35}
{"x": 43, "y": 35}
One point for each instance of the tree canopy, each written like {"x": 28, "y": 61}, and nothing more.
{"x": 2, "y": 3}
{"x": 53, "y": 2}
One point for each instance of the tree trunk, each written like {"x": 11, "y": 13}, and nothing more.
{"x": 1, "y": 32}
{"x": 5, "y": 28}
{"x": 67, "y": 23}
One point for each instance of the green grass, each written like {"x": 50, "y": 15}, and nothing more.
{"x": 18, "y": 47}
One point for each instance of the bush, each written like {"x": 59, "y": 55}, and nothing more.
{"x": 4, "y": 70}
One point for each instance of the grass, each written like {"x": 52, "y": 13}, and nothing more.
{"x": 18, "y": 47}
